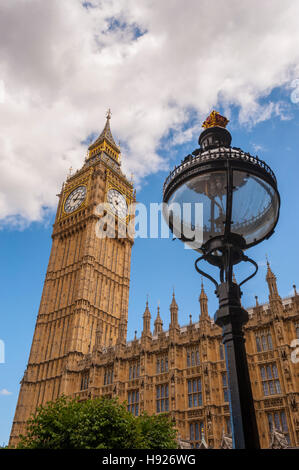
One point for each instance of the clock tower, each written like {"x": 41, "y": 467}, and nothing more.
{"x": 86, "y": 291}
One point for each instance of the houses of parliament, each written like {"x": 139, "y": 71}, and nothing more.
{"x": 80, "y": 349}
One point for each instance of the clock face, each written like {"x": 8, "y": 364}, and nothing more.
{"x": 118, "y": 203}
{"x": 75, "y": 199}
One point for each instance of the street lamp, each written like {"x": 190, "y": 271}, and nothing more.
{"x": 239, "y": 209}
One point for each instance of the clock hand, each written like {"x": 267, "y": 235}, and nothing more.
{"x": 74, "y": 200}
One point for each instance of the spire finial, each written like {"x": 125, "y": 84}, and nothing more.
{"x": 190, "y": 319}
{"x": 105, "y": 135}
{"x": 269, "y": 270}
{"x": 203, "y": 295}
{"x": 256, "y": 301}
{"x": 158, "y": 310}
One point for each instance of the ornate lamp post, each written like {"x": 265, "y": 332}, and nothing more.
{"x": 240, "y": 208}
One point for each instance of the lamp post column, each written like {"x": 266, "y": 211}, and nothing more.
{"x": 231, "y": 317}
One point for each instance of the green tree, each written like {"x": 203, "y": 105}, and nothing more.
{"x": 99, "y": 423}
{"x": 157, "y": 431}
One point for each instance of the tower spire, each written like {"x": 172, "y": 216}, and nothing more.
{"x": 203, "y": 300}
{"x": 146, "y": 321}
{"x": 105, "y": 142}
{"x": 158, "y": 323}
{"x": 174, "y": 312}
{"x": 271, "y": 280}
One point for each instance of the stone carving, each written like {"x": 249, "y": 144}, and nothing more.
{"x": 183, "y": 443}
{"x": 278, "y": 440}
{"x": 226, "y": 442}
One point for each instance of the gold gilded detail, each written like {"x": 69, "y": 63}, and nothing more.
{"x": 215, "y": 119}
{"x": 83, "y": 181}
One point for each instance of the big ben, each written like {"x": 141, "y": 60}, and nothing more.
{"x": 86, "y": 290}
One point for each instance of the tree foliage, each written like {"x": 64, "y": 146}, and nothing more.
{"x": 99, "y": 423}
{"x": 157, "y": 431}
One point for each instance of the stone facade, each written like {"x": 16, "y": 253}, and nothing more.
{"x": 79, "y": 346}
{"x": 183, "y": 371}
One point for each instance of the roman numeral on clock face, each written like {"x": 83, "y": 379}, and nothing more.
{"x": 117, "y": 203}
{"x": 75, "y": 199}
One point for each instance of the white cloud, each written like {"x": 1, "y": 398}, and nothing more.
{"x": 62, "y": 65}
{"x": 5, "y": 392}
{"x": 258, "y": 147}
{"x": 262, "y": 263}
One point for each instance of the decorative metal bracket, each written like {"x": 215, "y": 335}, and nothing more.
{"x": 203, "y": 273}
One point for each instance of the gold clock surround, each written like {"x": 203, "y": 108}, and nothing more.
{"x": 84, "y": 180}
{"x": 112, "y": 183}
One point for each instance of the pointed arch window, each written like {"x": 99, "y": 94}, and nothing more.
{"x": 196, "y": 433}
{"x": 270, "y": 379}
{"x": 133, "y": 402}
{"x": 162, "y": 364}
{"x": 108, "y": 375}
{"x": 263, "y": 341}
{"x": 162, "y": 398}
{"x": 194, "y": 393}
{"x": 278, "y": 420}
{"x": 193, "y": 357}
{"x": 134, "y": 370}
{"x": 84, "y": 381}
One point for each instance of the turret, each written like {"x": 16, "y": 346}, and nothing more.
{"x": 203, "y": 300}
{"x": 146, "y": 322}
{"x": 275, "y": 301}
{"x": 272, "y": 285}
{"x": 158, "y": 323}
{"x": 174, "y": 313}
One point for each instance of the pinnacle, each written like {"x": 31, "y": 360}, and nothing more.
{"x": 158, "y": 319}
{"x": 270, "y": 273}
{"x": 203, "y": 295}
{"x": 147, "y": 311}
{"x": 173, "y": 302}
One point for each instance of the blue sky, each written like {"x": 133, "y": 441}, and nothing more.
{"x": 161, "y": 67}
